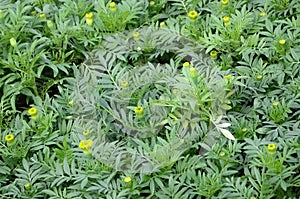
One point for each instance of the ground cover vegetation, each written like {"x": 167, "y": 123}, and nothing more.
{"x": 150, "y": 99}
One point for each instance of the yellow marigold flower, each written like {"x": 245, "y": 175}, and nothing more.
{"x": 27, "y": 185}
{"x": 152, "y": 3}
{"x": 275, "y": 104}
{"x": 262, "y": 14}
{"x": 186, "y": 64}
{"x": 43, "y": 16}
{"x": 32, "y": 111}
{"x": 213, "y": 54}
{"x": 13, "y": 42}
{"x": 89, "y": 15}
{"x": 89, "y": 18}
{"x": 138, "y": 110}
{"x": 9, "y": 138}
{"x": 86, "y": 144}
{"x": 224, "y": 2}
{"x": 227, "y": 77}
{"x": 193, "y": 14}
{"x": 226, "y": 19}
{"x": 127, "y": 179}
{"x": 281, "y": 41}
{"x": 112, "y": 6}
{"x": 272, "y": 148}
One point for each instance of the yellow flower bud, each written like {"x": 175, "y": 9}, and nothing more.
{"x": 71, "y": 103}
{"x": 213, "y": 54}
{"x": 136, "y": 35}
{"x": 50, "y": 24}
{"x": 161, "y": 24}
{"x": 152, "y": 3}
{"x": 139, "y": 110}
{"x": 259, "y": 77}
{"x": 186, "y": 64}
{"x": 222, "y": 154}
{"x": 226, "y": 19}
{"x": 275, "y": 104}
{"x": 228, "y": 77}
{"x": 89, "y": 18}
{"x": 245, "y": 129}
{"x": 13, "y": 42}
{"x": 193, "y": 72}
{"x": 262, "y": 14}
{"x": 112, "y": 6}
{"x": 86, "y": 133}
{"x": 89, "y": 21}
{"x": 27, "y": 186}
{"x": 127, "y": 179}
{"x": 43, "y": 16}
{"x": 224, "y": 2}
{"x": 124, "y": 84}
{"x": 89, "y": 15}
{"x": 281, "y": 41}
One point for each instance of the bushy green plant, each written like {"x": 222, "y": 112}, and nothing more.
{"x": 149, "y": 99}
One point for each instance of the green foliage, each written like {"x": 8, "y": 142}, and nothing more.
{"x": 174, "y": 106}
